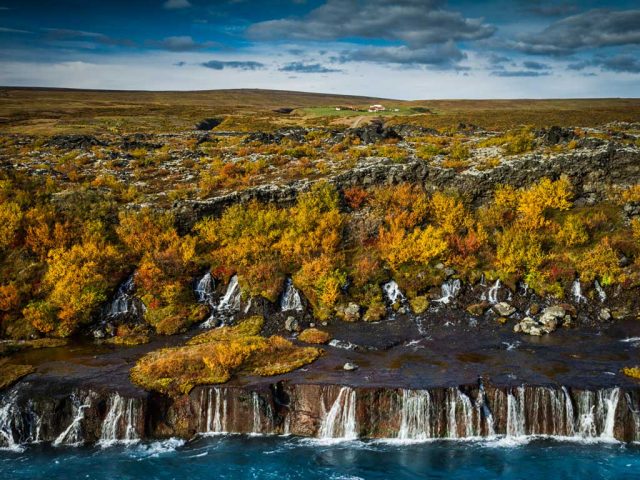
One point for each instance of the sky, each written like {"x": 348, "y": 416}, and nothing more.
{"x": 406, "y": 49}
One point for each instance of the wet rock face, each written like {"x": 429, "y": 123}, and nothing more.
{"x": 329, "y": 411}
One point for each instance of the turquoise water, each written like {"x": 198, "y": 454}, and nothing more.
{"x": 241, "y": 457}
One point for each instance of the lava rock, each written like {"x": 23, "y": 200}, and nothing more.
{"x": 73, "y": 142}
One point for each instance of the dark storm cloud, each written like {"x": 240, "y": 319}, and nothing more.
{"x": 300, "y": 67}
{"x": 550, "y": 8}
{"x": 413, "y": 22}
{"x": 438, "y": 55}
{"x": 622, "y": 63}
{"x": 238, "y": 65}
{"x": 591, "y": 29}
{"x": 63, "y": 34}
{"x": 181, "y": 43}
{"x": 519, "y": 73}
{"x": 535, "y": 65}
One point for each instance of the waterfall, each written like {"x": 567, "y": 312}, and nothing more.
{"x": 119, "y": 424}
{"x": 457, "y": 401}
{"x": 597, "y": 413}
{"x": 576, "y": 291}
{"x": 340, "y": 420}
{"x": 611, "y": 404}
{"x": 10, "y": 421}
{"x": 72, "y": 435}
{"x": 569, "y": 414}
{"x": 216, "y": 413}
{"x": 125, "y": 303}
{"x": 229, "y": 304}
{"x": 450, "y": 290}
{"x": 492, "y": 295}
{"x": 392, "y": 291}
{"x": 516, "y": 413}
{"x": 204, "y": 290}
{"x": 257, "y": 423}
{"x": 415, "y": 415}
{"x": 602, "y": 295}
{"x": 290, "y": 300}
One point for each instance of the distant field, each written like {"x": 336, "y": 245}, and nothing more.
{"x": 47, "y": 111}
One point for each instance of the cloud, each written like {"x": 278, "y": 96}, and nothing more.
{"x": 518, "y": 73}
{"x": 179, "y": 64}
{"x": 415, "y": 23}
{"x": 535, "y": 65}
{"x": 621, "y": 63}
{"x": 182, "y": 43}
{"x": 176, "y": 4}
{"x": 238, "y": 65}
{"x": 550, "y": 9}
{"x": 85, "y": 38}
{"x": 592, "y": 29}
{"x": 438, "y": 55}
{"x": 300, "y": 67}
{"x": 12, "y": 30}
{"x": 618, "y": 63}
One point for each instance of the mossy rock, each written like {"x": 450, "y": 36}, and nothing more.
{"x": 419, "y": 304}
{"x": 478, "y": 309}
{"x": 375, "y": 313}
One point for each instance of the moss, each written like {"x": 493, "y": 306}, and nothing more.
{"x": 13, "y": 346}
{"x": 129, "y": 340}
{"x": 216, "y": 356}
{"x": 633, "y": 372}
{"x": 11, "y": 373}
{"x": 419, "y": 304}
{"x": 375, "y": 312}
{"x": 314, "y": 335}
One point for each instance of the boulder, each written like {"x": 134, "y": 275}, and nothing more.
{"x": 348, "y": 313}
{"x": 529, "y": 326}
{"x": 478, "y": 309}
{"x": 605, "y": 314}
{"x": 349, "y": 366}
{"x": 291, "y": 324}
{"x": 504, "y": 309}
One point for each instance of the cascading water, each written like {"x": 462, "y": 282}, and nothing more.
{"x": 205, "y": 289}
{"x": 576, "y": 292}
{"x": 255, "y": 404}
{"x": 596, "y": 413}
{"x": 72, "y": 435}
{"x": 125, "y": 303}
{"x": 602, "y": 295}
{"x": 291, "y": 300}
{"x": 492, "y": 295}
{"x": 415, "y": 415}
{"x": 215, "y": 418}
{"x": 393, "y": 293}
{"x": 10, "y": 422}
{"x": 340, "y": 420}
{"x": 120, "y": 423}
{"x": 450, "y": 290}
{"x": 516, "y": 413}
{"x": 228, "y": 306}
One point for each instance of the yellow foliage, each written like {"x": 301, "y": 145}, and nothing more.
{"x": 448, "y": 212}
{"x": 215, "y": 356}
{"x": 518, "y": 251}
{"x": 536, "y": 200}
{"x": 10, "y": 217}
{"x": 600, "y": 262}
{"x": 572, "y": 232}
